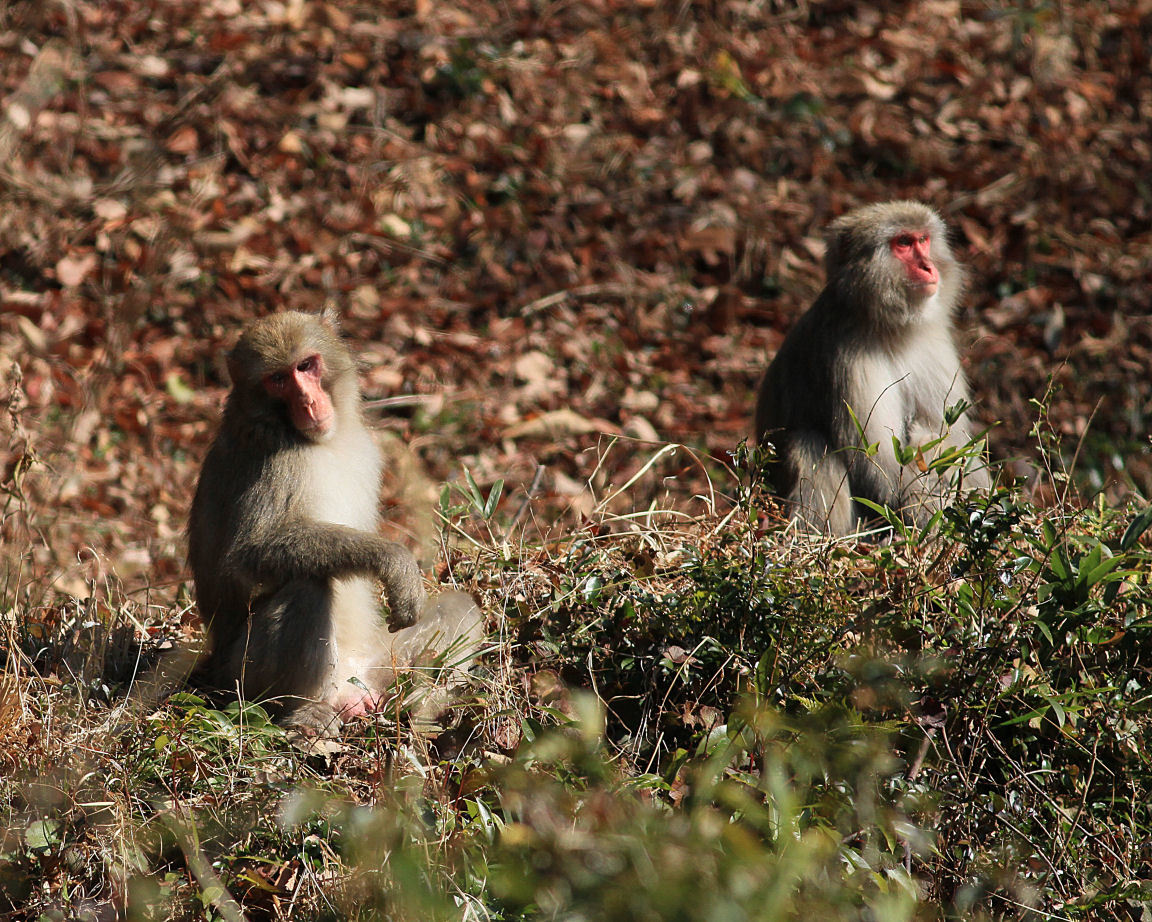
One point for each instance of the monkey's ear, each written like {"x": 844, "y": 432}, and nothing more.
{"x": 235, "y": 361}
{"x": 330, "y": 317}
{"x": 230, "y": 363}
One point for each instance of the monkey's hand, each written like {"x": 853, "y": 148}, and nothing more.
{"x": 403, "y": 585}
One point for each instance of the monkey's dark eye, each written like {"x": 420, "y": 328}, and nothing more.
{"x": 277, "y": 378}
{"x": 307, "y": 365}
{"x": 904, "y": 240}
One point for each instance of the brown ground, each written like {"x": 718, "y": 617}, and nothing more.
{"x": 547, "y": 225}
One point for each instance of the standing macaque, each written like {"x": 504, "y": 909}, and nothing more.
{"x": 284, "y": 543}
{"x": 873, "y": 359}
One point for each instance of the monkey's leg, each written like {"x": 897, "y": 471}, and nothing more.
{"x": 450, "y": 623}
{"x": 438, "y": 648}
{"x": 436, "y": 651}
{"x": 286, "y": 653}
{"x": 923, "y": 493}
{"x": 820, "y": 493}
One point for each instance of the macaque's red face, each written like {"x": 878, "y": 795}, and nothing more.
{"x": 913, "y": 248}
{"x": 309, "y": 405}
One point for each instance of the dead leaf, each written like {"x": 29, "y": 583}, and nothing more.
{"x": 534, "y": 367}
{"x": 639, "y": 428}
{"x": 73, "y": 269}
{"x": 108, "y": 209}
{"x": 35, "y": 337}
{"x": 183, "y": 140}
{"x": 558, "y": 424}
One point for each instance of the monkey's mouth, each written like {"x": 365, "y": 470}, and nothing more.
{"x": 318, "y": 429}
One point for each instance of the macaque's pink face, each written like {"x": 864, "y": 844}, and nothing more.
{"x": 309, "y": 405}
{"x": 913, "y": 248}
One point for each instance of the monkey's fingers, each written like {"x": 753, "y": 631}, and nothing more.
{"x": 403, "y": 584}
{"x": 402, "y": 613}
{"x": 405, "y": 600}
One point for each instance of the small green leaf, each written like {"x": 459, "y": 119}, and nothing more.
{"x": 1138, "y": 526}
{"x": 493, "y": 498}
{"x": 42, "y": 835}
{"x": 905, "y": 454}
{"x": 954, "y": 412}
{"x": 473, "y": 489}
{"x": 1100, "y": 570}
{"x": 178, "y": 389}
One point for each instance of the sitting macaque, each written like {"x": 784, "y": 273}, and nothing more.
{"x": 873, "y": 358}
{"x": 284, "y": 538}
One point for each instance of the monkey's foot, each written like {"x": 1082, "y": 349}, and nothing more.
{"x": 314, "y": 720}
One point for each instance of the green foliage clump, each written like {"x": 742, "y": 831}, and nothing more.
{"x": 1004, "y": 659}
{"x": 703, "y": 719}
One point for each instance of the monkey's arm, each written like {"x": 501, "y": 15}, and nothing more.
{"x": 306, "y": 549}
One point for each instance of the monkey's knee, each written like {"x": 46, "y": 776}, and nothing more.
{"x": 286, "y": 647}
{"x": 443, "y": 647}
{"x": 821, "y": 495}
{"x": 824, "y": 510}
{"x": 976, "y": 476}
{"x": 928, "y": 493}
{"x": 450, "y": 629}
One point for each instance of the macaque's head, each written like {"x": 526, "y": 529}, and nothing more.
{"x": 891, "y": 261}
{"x": 294, "y": 369}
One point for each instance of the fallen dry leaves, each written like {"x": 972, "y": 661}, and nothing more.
{"x": 545, "y": 224}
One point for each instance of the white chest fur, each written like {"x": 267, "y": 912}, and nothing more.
{"x": 344, "y": 488}
{"x": 916, "y": 382}
{"x": 343, "y": 480}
